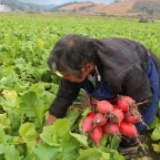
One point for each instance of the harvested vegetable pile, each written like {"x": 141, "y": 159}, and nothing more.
{"x": 113, "y": 118}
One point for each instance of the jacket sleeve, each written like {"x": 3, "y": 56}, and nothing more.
{"x": 66, "y": 94}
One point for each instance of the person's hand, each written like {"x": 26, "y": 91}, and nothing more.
{"x": 51, "y": 119}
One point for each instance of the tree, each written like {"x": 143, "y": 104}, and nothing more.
{"x": 148, "y": 11}
{"x": 74, "y": 10}
{"x": 144, "y": 9}
{"x": 103, "y": 14}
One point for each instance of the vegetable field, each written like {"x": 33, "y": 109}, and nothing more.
{"x": 28, "y": 87}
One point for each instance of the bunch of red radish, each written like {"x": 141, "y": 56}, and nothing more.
{"x": 113, "y": 118}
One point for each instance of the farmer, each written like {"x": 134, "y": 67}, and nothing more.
{"x": 152, "y": 20}
{"x": 105, "y": 68}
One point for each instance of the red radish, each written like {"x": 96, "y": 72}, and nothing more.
{"x": 117, "y": 115}
{"x": 96, "y": 135}
{"x": 136, "y": 115}
{"x": 124, "y": 102}
{"x": 111, "y": 129}
{"x": 104, "y": 107}
{"x": 128, "y": 129}
{"x": 99, "y": 120}
{"x": 132, "y": 118}
{"x": 87, "y": 123}
{"x": 91, "y": 115}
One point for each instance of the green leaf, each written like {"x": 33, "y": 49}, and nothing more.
{"x": 2, "y": 147}
{"x": 60, "y": 129}
{"x": 30, "y": 157}
{"x": 48, "y": 138}
{"x": 105, "y": 152}
{"x": 86, "y": 112}
{"x": 104, "y": 140}
{"x": 11, "y": 105}
{"x": 55, "y": 78}
{"x": 37, "y": 88}
{"x": 154, "y": 123}
{"x": 47, "y": 98}
{"x": 29, "y": 135}
{"x": 14, "y": 117}
{"x": 115, "y": 155}
{"x": 11, "y": 153}
{"x": 10, "y": 95}
{"x": 46, "y": 152}
{"x": 55, "y": 88}
{"x": 156, "y": 147}
{"x": 155, "y": 134}
{"x": 102, "y": 158}
{"x": 28, "y": 132}
{"x": 32, "y": 106}
{"x": 90, "y": 154}
{"x": 80, "y": 138}
{"x": 2, "y": 136}
{"x": 8, "y": 39}
{"x": 145, "y": 146}
{"x": 4, "y": 121}
{"x": 21, "y": 88}
{"x": 72, "y": 116}
{"x": 17, "y": 140}
{"x": 2, "y": 157}
{"x": 11, "y": 81}
{"x": 48, "y": 129}
{"x": 69, "y": 148}
{"x": 115, "y": 143}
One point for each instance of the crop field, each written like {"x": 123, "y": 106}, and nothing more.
{"x": 28, "y": 87}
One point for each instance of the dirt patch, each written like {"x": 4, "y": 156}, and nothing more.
{"x": 145, "y": 138}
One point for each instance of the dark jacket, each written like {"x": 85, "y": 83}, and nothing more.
{"x": 122, "y": 64}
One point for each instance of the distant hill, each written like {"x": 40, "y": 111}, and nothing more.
{"x": 148, "y": 4}
{"x": 57, "y": 8}
{"x": 125, "y": 7}
{"x": 16, "y": 5}
{"x": 114, "y": 8}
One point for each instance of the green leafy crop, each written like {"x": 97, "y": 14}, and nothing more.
{"x": 28, "y": 87}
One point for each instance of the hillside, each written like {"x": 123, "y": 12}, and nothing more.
{"x": 131, "y": 7}
{"x": 152, "y": 5}
{"x": 119, "y": 7}
{"x": 75, "y": 6}
{"x": 115, "y": 8}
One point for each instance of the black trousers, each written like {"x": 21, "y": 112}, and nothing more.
{"x": 128, "y": 142}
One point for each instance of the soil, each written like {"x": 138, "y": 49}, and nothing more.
{"x": 151, "y": 154}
